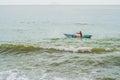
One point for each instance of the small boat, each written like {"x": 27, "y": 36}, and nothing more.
{"x": 74, "y": 36}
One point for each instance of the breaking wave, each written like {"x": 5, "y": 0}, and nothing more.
{"x": 51, "y": 48}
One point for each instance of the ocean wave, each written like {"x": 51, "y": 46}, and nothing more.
{"x": 12, "y": 75}
{"x": 51, "y": 48}
{"x": 80, "y": 49}
{"x": 17, "y": 47}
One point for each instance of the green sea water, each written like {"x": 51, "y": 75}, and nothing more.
{"x": 33, "y": 47}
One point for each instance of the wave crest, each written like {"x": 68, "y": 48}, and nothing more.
{"x": 50, "y": 48}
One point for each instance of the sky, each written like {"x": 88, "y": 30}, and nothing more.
{"x": 60, "y": 2}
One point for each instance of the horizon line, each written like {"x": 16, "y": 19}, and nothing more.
{"x": 59, "y": 3}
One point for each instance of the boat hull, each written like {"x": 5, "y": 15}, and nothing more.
{"x": 74, "y": 36}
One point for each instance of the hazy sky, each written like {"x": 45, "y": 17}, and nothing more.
{"x": 59, "y": 1}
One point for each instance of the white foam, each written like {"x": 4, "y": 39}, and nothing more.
{"x": 12, "y": 75}
{"x": 56, "y": 78}
{"x": 70, "y": 48}
{"x": 80, "y": 78}
{"x": 44, "y": 76}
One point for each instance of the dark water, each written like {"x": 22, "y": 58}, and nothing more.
{"x": 33, "y": 47}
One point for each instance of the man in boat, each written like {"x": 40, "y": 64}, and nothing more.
{"x": 79, "y": 34}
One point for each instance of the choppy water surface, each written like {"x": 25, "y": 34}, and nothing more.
{"x": 33, "y": 47}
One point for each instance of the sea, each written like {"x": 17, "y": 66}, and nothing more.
{"x": 33, "y": 45}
